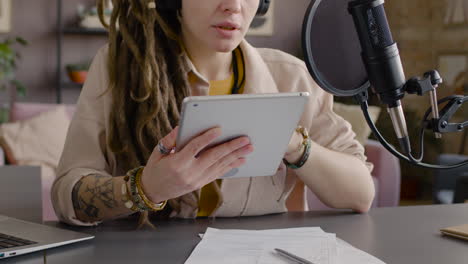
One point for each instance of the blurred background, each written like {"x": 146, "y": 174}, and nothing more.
{"x": 61, "y": 38}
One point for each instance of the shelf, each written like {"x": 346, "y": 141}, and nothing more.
{"x": 84, "y": 31}
{"x": 71, "y": 85}
{"x": 64, "y": 86}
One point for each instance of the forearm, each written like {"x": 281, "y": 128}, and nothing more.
{"x": 99, "y": 198}
{"x": 340, "y": 180}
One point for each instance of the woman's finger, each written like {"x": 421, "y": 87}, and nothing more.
{"x": 230, "y": 159}
{"x": 213, "y": 155}
{"x": 165, "y": 145}
{"x": 235, "y": 164}
{"x": 191, "y": 150}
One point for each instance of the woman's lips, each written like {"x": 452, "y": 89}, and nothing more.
{"x": 226, "y": 30}
{"x": 228, "y": 25}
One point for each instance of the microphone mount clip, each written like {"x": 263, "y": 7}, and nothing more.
{"x": 418, "y": 86}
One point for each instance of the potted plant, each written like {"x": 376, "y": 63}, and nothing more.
{"x": 8, "y": 65}
{"x": 89, "y": 18}
{"x": 77, "y": 72}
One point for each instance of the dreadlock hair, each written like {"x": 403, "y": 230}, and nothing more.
{"x": 148, "y": 78}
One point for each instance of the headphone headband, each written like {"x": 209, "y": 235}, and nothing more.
{"x": 263, "y": 7}
{"x": 177, "y": 4}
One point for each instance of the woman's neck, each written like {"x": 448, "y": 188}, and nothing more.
{"x": 211, "y": 65}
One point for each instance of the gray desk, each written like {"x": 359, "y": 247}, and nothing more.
{"x": 395, "y": 235}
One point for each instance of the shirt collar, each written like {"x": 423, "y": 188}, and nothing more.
{"x": 258, "y": 78}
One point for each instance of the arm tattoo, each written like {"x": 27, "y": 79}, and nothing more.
{"x": 99, "y": 190}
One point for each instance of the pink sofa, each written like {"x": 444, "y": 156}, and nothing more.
{"x": 22, "y": 111}
{"x": 386, "y": 174}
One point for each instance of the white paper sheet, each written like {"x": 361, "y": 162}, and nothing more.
{"x": 257, "y": 247}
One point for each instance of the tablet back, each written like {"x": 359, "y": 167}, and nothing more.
{"x": 267, "y": 119}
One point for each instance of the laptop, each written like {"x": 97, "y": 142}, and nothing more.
{"x": 21, "y": 215}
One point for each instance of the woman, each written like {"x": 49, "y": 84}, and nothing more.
{"x": 156, "y": 56}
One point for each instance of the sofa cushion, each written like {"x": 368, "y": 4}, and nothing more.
{"x": 354, "y": 115}
{"x": 22, "y": 111}
{"x": 40, "y": 138}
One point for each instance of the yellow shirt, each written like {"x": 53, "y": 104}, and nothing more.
{"x": 208, "y": 197}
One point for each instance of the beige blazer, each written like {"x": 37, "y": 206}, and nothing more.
{"x": 267, "y": 71}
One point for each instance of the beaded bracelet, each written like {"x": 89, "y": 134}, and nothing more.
{"x": 306, "y": 142}
{"x": 135, "y": 196}
{"x": 139, "y": 201}
{"x": 127, "y": 199}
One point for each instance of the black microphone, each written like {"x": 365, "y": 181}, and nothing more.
{"x": 382, "y": 60}
{"x": 334, "y": 44}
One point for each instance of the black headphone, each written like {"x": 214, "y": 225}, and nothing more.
{"x": 177, "y": 4}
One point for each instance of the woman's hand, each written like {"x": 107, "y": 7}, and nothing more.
{"x": 170, "y": 176}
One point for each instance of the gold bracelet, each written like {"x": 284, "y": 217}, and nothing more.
{"x": 304, "y": 133}
{"x": 306, "y": 143}
{"x": 148, "y": 203}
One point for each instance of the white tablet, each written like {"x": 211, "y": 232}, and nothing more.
{"x": 269, "y": 120}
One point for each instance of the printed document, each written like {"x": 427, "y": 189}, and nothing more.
{"x": 257, "y": 246}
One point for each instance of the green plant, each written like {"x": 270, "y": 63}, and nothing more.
{"x": 84, "y": 66}
{"x": 8, "y": 58}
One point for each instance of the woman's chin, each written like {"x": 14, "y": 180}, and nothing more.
{"x": 226, "y": 47}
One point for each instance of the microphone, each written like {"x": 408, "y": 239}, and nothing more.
{"x": 382, "y": 61}
{"x": 336, "y": 43}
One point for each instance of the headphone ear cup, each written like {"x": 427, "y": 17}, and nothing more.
{"x": 263, "y": 7}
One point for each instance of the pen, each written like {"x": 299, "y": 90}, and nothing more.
{"x": 293, "y": 257}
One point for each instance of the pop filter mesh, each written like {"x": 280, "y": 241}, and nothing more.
{"x": 332, "y": 49}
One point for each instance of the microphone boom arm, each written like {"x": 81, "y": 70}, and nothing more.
{"x": 362, "y": 99}
{"x": 442, "y": 124}
{"x": 438, "y": 125}
{"x": 440, "y": 121}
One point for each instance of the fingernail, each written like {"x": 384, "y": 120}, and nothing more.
{"x": 250, "y": 148}
{"x": 244, "y": 141}
{"x": 216, "y": 132}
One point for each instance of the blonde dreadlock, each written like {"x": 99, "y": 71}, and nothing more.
{"x": 148, "y": 78}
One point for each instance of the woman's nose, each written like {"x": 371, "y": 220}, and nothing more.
{"x": 231, "y": 6}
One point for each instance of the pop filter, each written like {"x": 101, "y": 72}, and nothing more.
{"x": 331, "y": 47}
